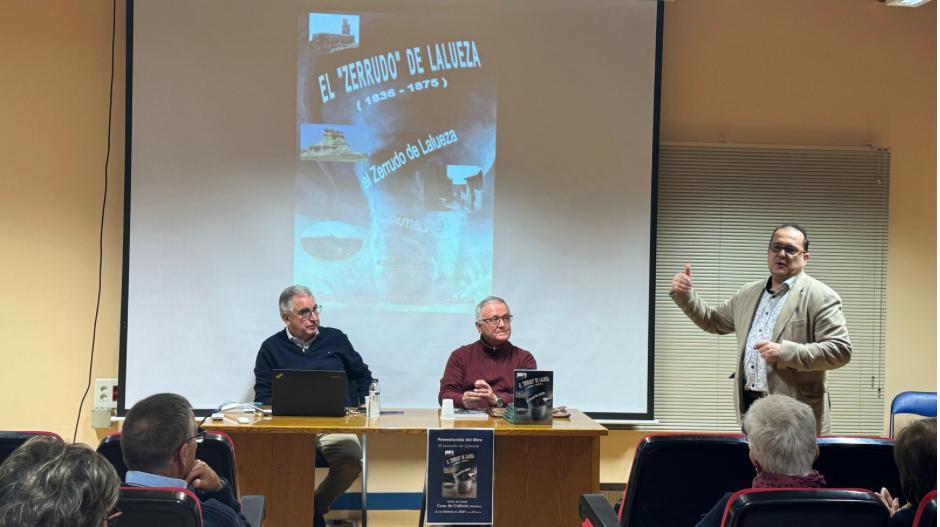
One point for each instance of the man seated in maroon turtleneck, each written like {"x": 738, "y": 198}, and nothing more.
{"x": 479, "y": 375}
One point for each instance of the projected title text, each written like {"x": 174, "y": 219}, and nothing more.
{"x": 382, "y": 68}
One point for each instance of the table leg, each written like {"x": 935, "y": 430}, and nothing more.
{"x": 364, "y": 480}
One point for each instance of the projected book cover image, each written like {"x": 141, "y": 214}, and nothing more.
{"x": 532, "y": 399}
{"x": 396, "y": 149}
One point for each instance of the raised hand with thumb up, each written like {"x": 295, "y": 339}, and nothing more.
{"x": 682, "y": 282}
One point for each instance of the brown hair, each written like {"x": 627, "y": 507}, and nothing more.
{"x": 915, "y": 454}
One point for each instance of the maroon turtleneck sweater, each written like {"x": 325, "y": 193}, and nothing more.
{"x": 479, "y": 360}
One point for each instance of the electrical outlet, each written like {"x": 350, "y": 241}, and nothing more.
{"x": 106, "y": 392}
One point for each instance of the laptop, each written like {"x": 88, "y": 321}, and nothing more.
{"x": 310, "y": 393}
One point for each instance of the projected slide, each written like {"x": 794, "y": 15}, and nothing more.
{"x": 354, "y": 152}
{"x": 396, "y": 128}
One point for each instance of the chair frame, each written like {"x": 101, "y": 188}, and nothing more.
{"x": 253, "y": 507}
{"x": 904, "y": 403}
{"x": 922, "y": 507}
{"x": 162, "y": 494}
{"x": 595, "y": 511}
{"x": 856, "y": 476}
{"x": 216, "y": 437}
{"x": 833, "y": 449}
{"x": 105, "y": 446}
{"x": 13, "y": 439}
{"x": 113, "y": 441}
{"x": 863, "y": 496}
{"x": 628, "y": 508}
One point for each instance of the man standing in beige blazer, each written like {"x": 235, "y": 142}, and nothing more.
{"x": 790, "y": 327}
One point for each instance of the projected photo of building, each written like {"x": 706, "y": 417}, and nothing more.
{"x": 329, "y": 33}
{"x": 331, "y": 240}
{"x": 466, "y": 187}
{"x": 332, "y": 145}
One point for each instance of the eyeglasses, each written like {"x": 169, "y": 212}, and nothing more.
{"x": 199, "y": 437}
{"x": 494, "y": 322}
{"x": 200, "y": 434}
{"x": 775, "y": 248}
{"x": 307, "y": 313}
{"x": 112, "y": 518}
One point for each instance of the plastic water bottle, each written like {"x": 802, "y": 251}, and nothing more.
{"x": 375, "y": 400}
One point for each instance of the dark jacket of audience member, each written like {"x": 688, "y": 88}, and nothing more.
{"x": 47, "y": 483}
{"x": 781, "y": 436}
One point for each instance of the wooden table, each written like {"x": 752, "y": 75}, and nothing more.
{"x": 540, "y": 470}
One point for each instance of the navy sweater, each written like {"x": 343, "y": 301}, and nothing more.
{"x": 331, "y": 350}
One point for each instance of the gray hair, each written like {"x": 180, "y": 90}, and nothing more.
{"x": 49, "y": 483}
{"x": 153, "y": 431}
{"x": 488, "y": 300}
{"x": 781, "y": 433}
{"x": 286, "y": 301}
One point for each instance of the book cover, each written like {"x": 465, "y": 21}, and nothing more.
{"x": 532, "y": 400}
{"x": 468, "y": 413}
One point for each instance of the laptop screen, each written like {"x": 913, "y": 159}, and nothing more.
{"x": 313, "y": 393}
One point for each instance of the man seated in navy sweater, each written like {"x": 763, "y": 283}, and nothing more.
{"x": 304, "y": 345}
{"x": 158, "y": 443}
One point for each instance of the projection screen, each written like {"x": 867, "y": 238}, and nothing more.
{"x": 403, "y": 159}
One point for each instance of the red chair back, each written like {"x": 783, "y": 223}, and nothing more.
{"x": 158, "y": 507}
{"x": 678, "y": 477}
{"x": 804, "y": 507}
{"x": 927, "y": 511}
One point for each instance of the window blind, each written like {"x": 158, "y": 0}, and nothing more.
{"x": 717, "y": 207}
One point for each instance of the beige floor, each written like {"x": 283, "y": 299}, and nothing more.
{"x": 410, "y": 518}
{"x": 392, "y": 519}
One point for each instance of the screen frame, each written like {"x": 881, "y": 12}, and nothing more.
{"x": 615, "y": 420}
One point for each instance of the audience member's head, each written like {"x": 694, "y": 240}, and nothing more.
{"x": 915, "y": 454}
{"x": 781, "y": 433}
{"x": 47, "y": 483}
{"x": 158, "y": 436}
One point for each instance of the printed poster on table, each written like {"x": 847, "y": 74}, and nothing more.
{"x": 460, "y": 476}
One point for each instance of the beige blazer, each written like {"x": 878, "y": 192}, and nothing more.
{"x": 811, "y": 331}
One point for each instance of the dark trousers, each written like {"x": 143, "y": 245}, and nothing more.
{"x": 747, "y": 399}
